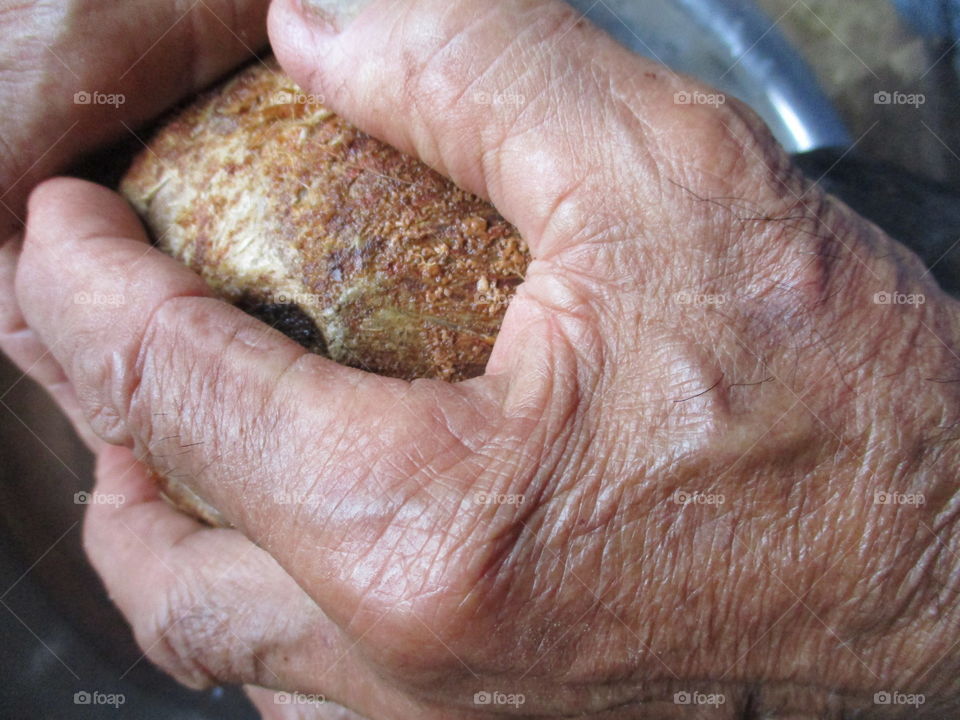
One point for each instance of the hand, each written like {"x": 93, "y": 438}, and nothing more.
{"x": 78, "y": 74}
{"x": 710, "y": 460}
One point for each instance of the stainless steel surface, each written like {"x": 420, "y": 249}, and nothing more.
{"x": 735, "y": 47}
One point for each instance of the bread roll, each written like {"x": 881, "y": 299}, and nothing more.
{"x": 355, "y": 250}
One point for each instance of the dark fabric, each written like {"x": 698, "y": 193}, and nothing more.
{"x": 921, "y": 214}
{"x": 933, "y": 18}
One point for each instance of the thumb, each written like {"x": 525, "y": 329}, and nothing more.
{"x": 523, "y": 103}
{"x": 579, "y": 143}
{"x": 294, "y": 450}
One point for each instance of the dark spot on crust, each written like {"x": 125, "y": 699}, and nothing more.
{"x": 406, "y": 274}
{"x": 288, "y": 318}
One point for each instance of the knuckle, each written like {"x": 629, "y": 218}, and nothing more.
{"x": 188, "y": 634}
{"x": 100, "y": 378}
{"x": 813, "y": 260}
{"x": 115, "y": 386}
{"x": 164, "y": 633}
{"x": 826, "y": 262}
{"x": 145, "y": 394}
{"x": 715, "y": 145}
{"x": 735, "y": 153}
{"x": 187, "y": 399}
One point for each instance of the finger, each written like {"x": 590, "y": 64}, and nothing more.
{"x": 210, "y": 607}
{"x": 524, "y": 103}
{"x": 159, "y": 52}
{"x": 139, "y": 58}
{"x": 24, "y": 348}
{"x": 579, "y": 143}
{"x": 295, "y": 450}
{"x": 206, "y": 605}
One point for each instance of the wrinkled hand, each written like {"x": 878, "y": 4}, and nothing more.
{"x": 710, "y": 455}
{"x": 80, "y": 73}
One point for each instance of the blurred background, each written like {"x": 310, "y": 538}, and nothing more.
{"x": 864, "y": 92}
{"x": 859, "y": 48}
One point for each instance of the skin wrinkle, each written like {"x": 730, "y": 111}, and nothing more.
{"x": 491, "y": 163}
{"x": 613, "y": 559}
{"x": 566, "y": 202}
{"x": 454, "y": 426}
{"x": 425, "y": 115}
{"x": 549, "y": 91}
{"x": 911, "y": 588}
{"x": 418, "y": 597}
{"x": 345, "y": 444}
{"x": 543, "y": 469}
{"x": 446, "y": 555}
{"x": 798, "y": 498}
{"x": 10, "y": 169}
{"x": 591, "y": 286}
{"x": 413, "y": 467}
{"x": 428, "y": 73}
{"x": 571, "y": 311}
{"x": 507, "y": 538}
{"x": 203, "y": 632}
{"x": 624, "y": 93}
{"x": 162, "y": 635}
{"x": 358, "y": 489}
{"x": 947, "y": 584}
{"x": 140, "y": 354}
{"x": 559, "y": 551}
{"x": 449, "y": 551}
{"x": 202, "y": 628}
{"x": 153, "y": 336}
{"x": 751, "y": 134}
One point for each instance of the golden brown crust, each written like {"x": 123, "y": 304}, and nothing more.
{"x": 403, "y": 273}
{"x": 354, "y": 249}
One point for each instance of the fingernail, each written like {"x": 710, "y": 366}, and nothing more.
{"x": 336, "y": 14}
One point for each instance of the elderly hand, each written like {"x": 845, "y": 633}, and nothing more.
{"x": 81, "y": 73}
{"x": 710, "y": 471}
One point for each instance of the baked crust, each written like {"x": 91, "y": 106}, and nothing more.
{"x": 357, "y": 251}
{"x": 294, "y": 214}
